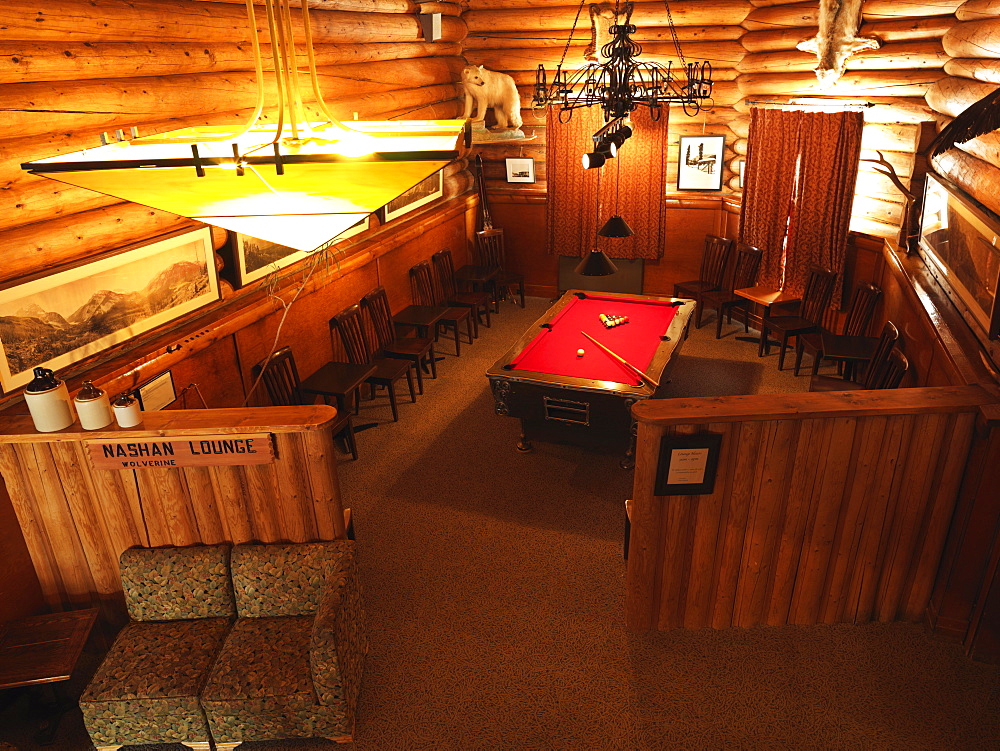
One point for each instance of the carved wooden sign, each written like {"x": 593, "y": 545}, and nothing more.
{"x": 190, "y": 451}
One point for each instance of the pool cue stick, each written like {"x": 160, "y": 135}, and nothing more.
{"x": 619, "y": 359}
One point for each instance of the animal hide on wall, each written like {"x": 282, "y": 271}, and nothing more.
{"x": 837, "y": 39}
{"x": 602, "y": 18}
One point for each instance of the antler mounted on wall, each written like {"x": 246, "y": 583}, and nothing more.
{"x": 907, "y": 233}
{"x": 836, "y": 39}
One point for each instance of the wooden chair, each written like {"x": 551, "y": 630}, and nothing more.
{"x": 872, "y": 375}
{"x": 492, "y": 256}
{"x": 349, "y": 326}
{"x": 815, "y": 301}
{"x": 425, "y": 293}
{"x": 714, "y": 260}
{"x": 418, "y": 350}
{"x": 281, "y": 380}
{"x": 744, "y": 275}
{"x": 891, "y": 373}
{"x": 856, "y": 323}
{"x": 479, "y": 302}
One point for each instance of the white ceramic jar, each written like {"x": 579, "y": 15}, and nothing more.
{"x": 127, "y": 410}
{"x": 48, "y": 402}
{"x": 93, "y": 407}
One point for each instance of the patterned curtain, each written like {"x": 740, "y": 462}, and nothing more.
{"x": 798, "y": 191}
{"x": 633, "y": 185}
{"x": 817, "y": 233}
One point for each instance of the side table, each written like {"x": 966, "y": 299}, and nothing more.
{"x": 44, "y": 649}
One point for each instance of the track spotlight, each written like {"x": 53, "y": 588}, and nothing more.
{"x": 593, "y": 160}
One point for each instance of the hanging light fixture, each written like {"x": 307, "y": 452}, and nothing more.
{"x": 623, "y": 83}
{"x": 596, "y": 262}
{"x": 297, "y": 183}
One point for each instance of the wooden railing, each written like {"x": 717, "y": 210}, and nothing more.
{"x": 827, "y": 507}
{"x": 77, "y": 519}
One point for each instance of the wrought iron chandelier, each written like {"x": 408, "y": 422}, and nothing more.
{"x": 622, "y": 84}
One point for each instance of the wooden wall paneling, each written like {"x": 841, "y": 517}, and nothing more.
{"x": 822, "y": 522}
{"x": 867, "y": 463}
{"x": 911, "y": 504}
{"x": 525, "y": 231}
{"x": 289, "y": 481}
{"x": 814, "y": 441}
{"x": 324, "y": 484}
{"x": 742, "y": 471}
{"x": 66, "y": 549}
{"x": 75, "y": 472}
{"x": 207, "y": 370}
{"x": 688, "y": 220}
{"x": 646, "y": 515}
{"x": 232, "y": 500}
{"x": 170, "y": 519}
{"x": 675, "y": 562}
{"x": 265, "y": 503}
{"x": 934, "y": 529}
{"x": 765, "y": 522}
{"x": 198, "y": 486}
{"x": 882, "y": 495}
{"x": 20, "y": 591}
{"x": 710, "y": 510}
{"x": 878, "y": 10}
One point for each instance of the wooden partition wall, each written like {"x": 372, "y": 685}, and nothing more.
{"x": 77, "y": 519}
{"x": 827, "y": 508}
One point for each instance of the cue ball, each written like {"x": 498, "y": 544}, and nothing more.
{"x": 579, "y": 353}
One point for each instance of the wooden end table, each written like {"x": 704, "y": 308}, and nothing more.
{"x": 44, "y": 649}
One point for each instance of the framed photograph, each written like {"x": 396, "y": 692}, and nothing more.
{"x": 688, "y": 464}
{"x": 156, "y": 393}
{"x": 520, "y": 169}
{"x": 255, "y": 258}
{"x": 741, "y": 167}
{"x": 63, "y": 317}
{"x": 423, "y": 192}
{"x": 960, "y": 241}
{"x": 699, "y": 163}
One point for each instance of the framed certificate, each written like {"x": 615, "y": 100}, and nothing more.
{"x": 688, "y": 464}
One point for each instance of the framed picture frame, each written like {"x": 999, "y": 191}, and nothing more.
{"x": 425, "y": 191}
{"x": 60, "y": 318}
{"x": 688, "y": 464}
{"x": 157, "y": 393}
{"x": 741, "y": 168}
{"x": 960, "y": 243}
{"x": 520, "y": 169}
{"x": 699, "y": 162}
{"x": 254, "y": 258}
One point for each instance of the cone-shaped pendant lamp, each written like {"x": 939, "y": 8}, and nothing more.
{"x": 615, "y": 227}
{"x": 595, "y": 263}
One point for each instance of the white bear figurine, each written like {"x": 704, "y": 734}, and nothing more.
{"x": 491, "y": 89}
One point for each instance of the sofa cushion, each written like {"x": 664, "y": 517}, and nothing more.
{"x": 163, "y": 584}
{"x": 284, "y": 579}
{"x": 146, "y": 689}
{"x": 261, "y": 688}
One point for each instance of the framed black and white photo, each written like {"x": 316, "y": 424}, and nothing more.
{"x": 520, "y": 169}
{"x": 157, "y": 393}
{"x": 255, "y": 258}
{"x": 60, "y": 318}
{"x": 427, "y": 190}
{"x": 699, "y": 163}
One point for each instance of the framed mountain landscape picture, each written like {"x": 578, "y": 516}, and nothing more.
{"x": 63, "y": 317}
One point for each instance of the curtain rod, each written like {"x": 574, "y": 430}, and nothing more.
{"x": 817, "y": 103}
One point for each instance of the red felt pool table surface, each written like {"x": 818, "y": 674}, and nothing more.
{"x": 554, "y": 349}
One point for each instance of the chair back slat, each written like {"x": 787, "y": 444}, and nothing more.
{"x": 715, "y": 259}
{"x": 281, "y": 378}
{"x": 817, "y": 294}
{"x": 861, "y": 310}
{"x": 886, "y": 343}
{"x": 746, "y": 266}
{"x": 350, "y": 326}
{"x": 893, "y": 370}
{"x": 444, "y": 269}
{"x": 491, "y": 250}
{"x": 422, "y": 285}
{"x": 376, "y": 303}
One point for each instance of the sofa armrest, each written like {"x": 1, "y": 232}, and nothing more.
{"x": 338, "y": 643}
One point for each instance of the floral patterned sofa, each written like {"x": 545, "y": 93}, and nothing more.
{"x": 252, "y": 642}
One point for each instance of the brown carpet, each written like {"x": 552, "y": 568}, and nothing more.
{"x": 494, "y": 583}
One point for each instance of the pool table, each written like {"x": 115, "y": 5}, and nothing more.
{"x": 562, "y": 396}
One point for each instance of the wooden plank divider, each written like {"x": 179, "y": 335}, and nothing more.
{"x": 198, "y": 482}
